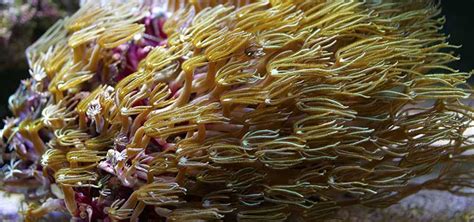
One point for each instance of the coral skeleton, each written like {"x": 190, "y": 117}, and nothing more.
{"x": 238, "y": 110}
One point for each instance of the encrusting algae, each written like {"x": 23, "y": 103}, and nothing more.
{"x": 271, "y": 110}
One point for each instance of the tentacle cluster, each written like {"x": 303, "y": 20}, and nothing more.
{"x": 259, "y": 111}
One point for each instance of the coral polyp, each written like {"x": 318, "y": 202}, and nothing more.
{"x": 272, "y": 110}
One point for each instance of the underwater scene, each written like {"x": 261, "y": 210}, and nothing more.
{"x": 236, "y": 110}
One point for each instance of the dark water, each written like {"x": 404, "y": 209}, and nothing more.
{"x": 460, "y": 25}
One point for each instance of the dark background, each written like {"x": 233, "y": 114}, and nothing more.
{"x": 459, "y": 25}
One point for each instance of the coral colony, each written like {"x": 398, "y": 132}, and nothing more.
{"x": 273, "y": 110}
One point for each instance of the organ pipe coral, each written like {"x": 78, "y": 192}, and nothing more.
{"x": 269, "y": 110}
